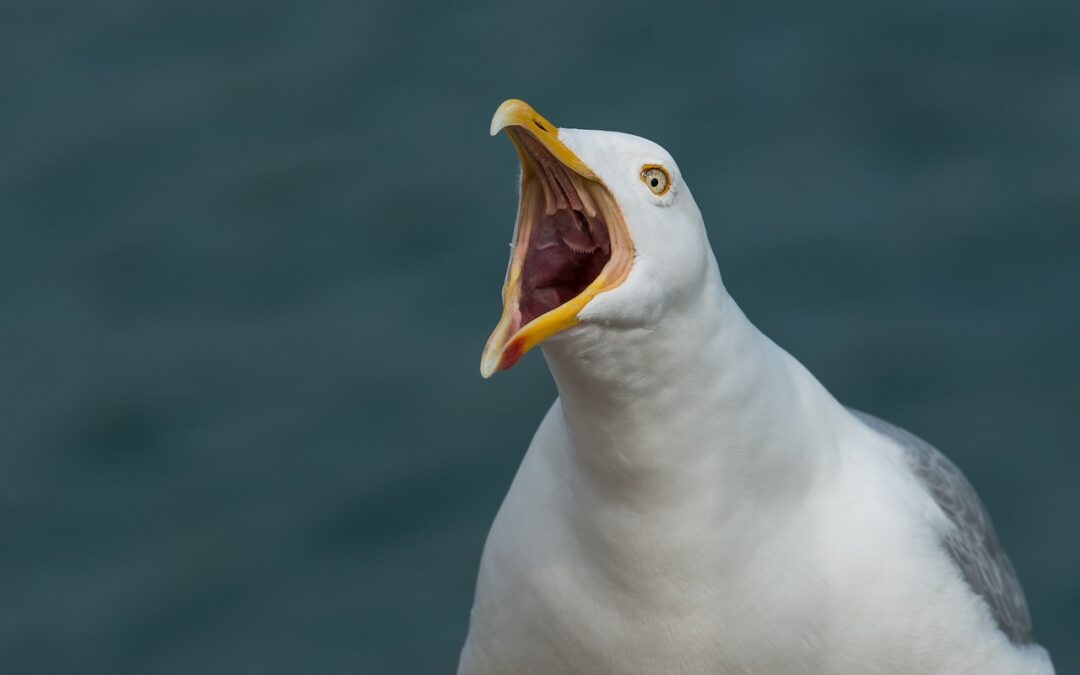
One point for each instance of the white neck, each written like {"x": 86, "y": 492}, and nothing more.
{"x": 700, "y": 402}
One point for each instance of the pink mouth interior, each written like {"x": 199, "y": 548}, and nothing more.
{"x": 567, "y": 247}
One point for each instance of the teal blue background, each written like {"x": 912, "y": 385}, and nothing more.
{"x": 250, "y": 252}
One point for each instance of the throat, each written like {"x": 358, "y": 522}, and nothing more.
{"x": 565, "y": 255}
{"x": 702, "y": 403}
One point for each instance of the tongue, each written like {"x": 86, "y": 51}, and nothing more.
{"x": 551, "y": 260}
{"x": 563, "y": 258}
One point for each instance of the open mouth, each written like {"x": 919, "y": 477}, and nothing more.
{"x": 567, "y": 239}
{"x": 571, "y": 243}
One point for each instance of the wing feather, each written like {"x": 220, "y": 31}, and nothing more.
{"x": 972, "y": 543}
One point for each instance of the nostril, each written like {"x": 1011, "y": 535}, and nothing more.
{"x": 539, "y": 125}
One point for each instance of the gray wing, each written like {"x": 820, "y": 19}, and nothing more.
{"x": 973, "y": 544}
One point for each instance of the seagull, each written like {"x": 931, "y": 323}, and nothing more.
{"x": 695, "y": 501}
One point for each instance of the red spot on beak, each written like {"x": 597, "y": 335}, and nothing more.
{"x": 511, "y": 354}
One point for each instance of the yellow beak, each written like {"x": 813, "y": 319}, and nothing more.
{"x": 510, "y": 340}
{"x": 517, "y": 113}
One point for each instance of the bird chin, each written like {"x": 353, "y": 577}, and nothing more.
{"x": 571, "y": 245}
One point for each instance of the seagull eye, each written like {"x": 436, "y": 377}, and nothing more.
{"x": 656, "y": 179}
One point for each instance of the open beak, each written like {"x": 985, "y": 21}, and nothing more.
{"x": 570, "y": 243}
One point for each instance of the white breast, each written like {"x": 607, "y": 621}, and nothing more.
{"x": 847, "y": 580}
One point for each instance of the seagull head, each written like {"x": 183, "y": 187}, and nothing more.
{"x": 607, "y": 235}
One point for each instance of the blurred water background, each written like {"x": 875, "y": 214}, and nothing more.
{"x": 250, "y": 252}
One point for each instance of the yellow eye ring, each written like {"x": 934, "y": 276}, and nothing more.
{"x": 656, "y": 178}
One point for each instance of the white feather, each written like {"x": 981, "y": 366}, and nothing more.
{"x": 695, "y": 502}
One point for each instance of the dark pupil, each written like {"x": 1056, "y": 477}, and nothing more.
{"x": 654, "y": 182}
